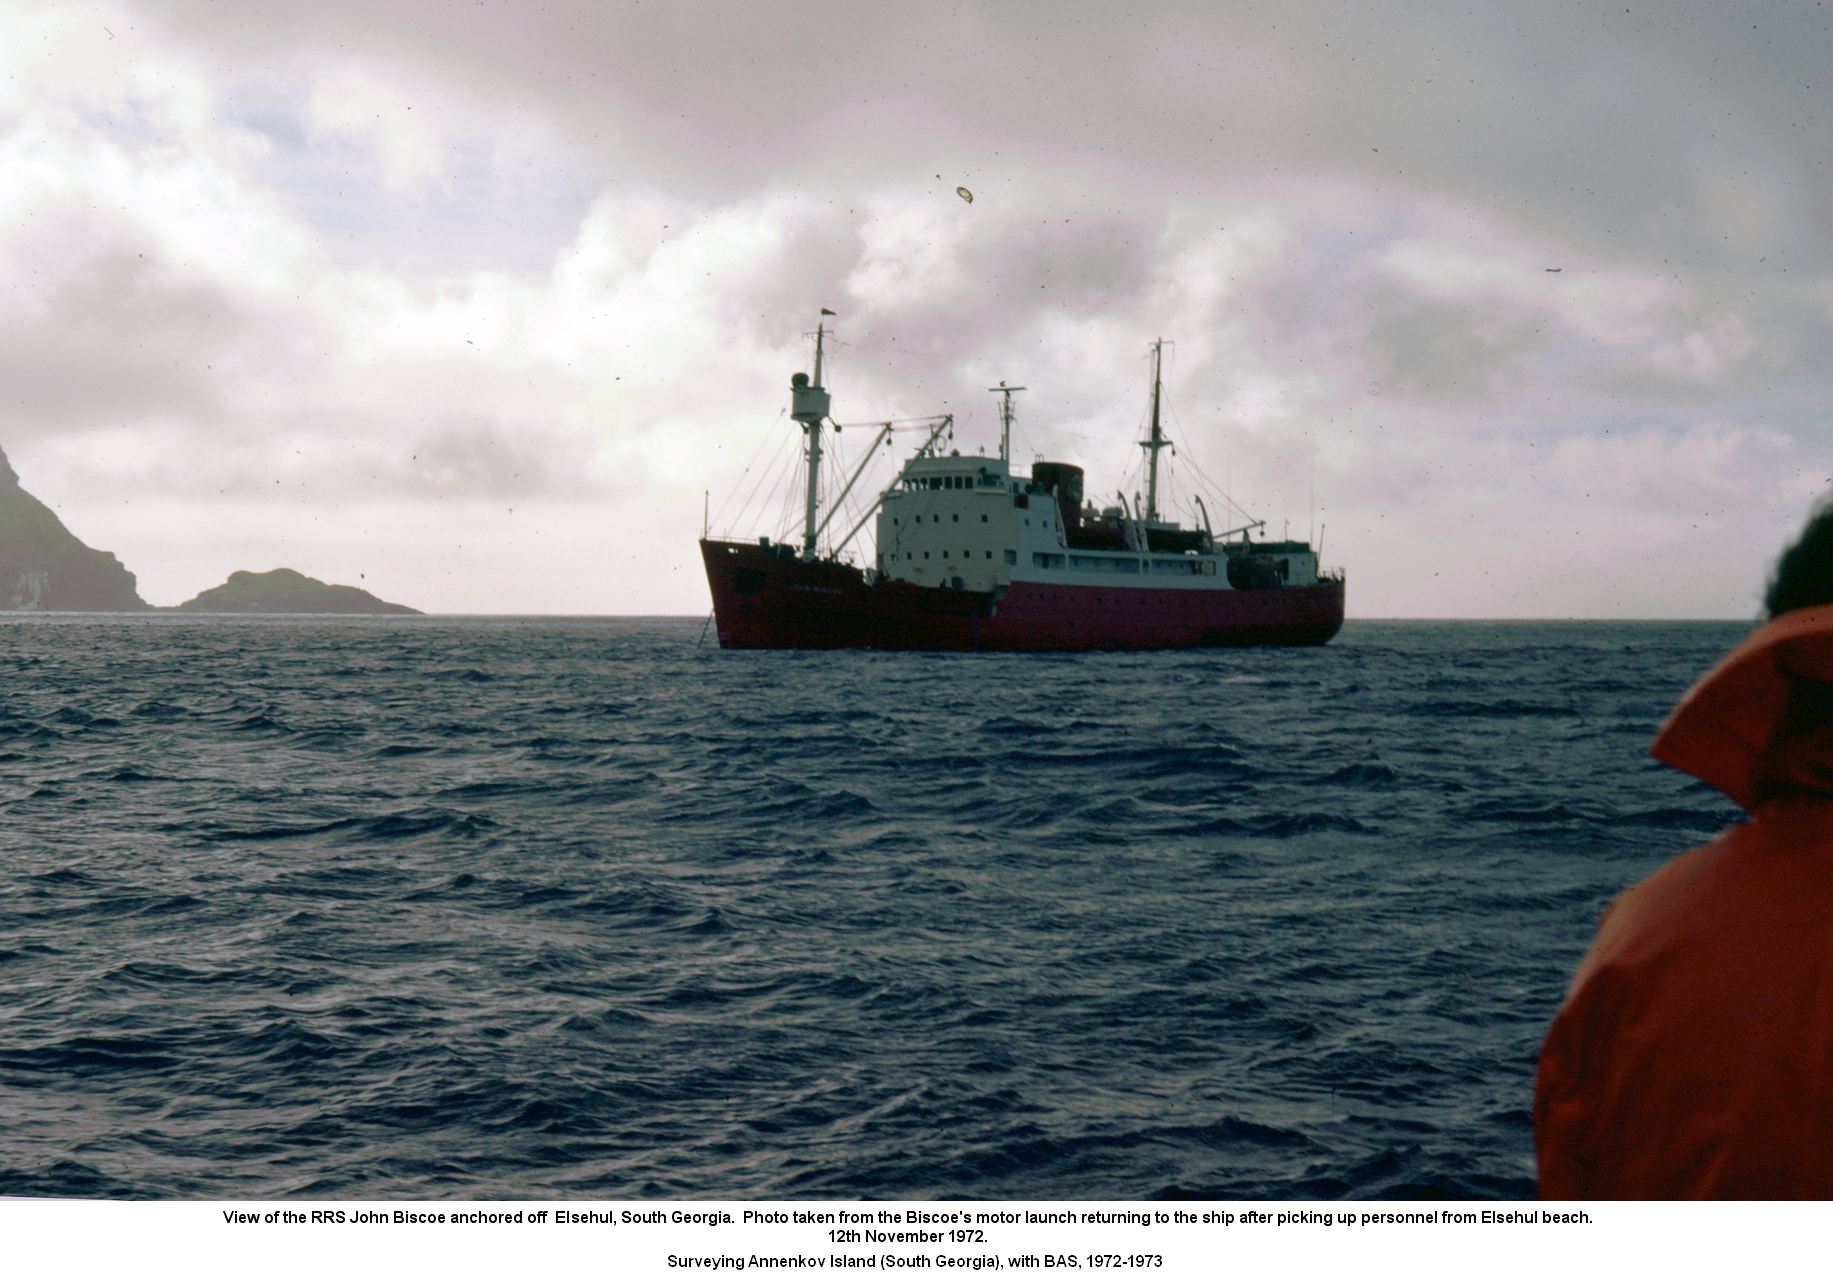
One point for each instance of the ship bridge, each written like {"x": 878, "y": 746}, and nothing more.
{"x": 954, "y": 472}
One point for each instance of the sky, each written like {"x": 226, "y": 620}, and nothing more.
{"x": 1525, "y": 309}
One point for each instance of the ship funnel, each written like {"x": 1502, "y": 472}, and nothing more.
{"x": 1066, "y": 481}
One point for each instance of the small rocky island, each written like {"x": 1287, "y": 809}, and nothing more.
{"x": 287, "y": 592}
{"x": 44, "y": 567}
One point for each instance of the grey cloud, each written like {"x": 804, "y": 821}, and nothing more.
{"x": 1596, "y": 125}
{"x": 116, "y": 333}
{"x": 1680, "y": 139}
{"x": 472, "y": 459}
{"x": 1462, "y": 352}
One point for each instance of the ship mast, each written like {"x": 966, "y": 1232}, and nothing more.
{"x": 809, "y": 407}
{"x": 1005, "y": 418}
{"x": 1156, "y": 442}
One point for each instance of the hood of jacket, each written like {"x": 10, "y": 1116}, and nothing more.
{"x": 1743, "y": 727}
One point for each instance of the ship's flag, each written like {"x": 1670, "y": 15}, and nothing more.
{"x": 830, "y": 313}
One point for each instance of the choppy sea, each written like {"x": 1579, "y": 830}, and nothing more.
{"x": 425, "y": 908}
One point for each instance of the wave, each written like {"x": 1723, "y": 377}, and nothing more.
{"x": 566, "y": 909}
{"x": 1505, "y": 709}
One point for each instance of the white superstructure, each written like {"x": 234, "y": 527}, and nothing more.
{"x": 966, "y": 521}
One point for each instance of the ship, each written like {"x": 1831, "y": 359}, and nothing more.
{"x": 974, "y": 555}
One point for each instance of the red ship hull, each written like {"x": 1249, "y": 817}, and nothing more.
{"x": 765, "y": 599}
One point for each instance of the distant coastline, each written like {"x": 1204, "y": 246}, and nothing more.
{"x": 44, "y": 569}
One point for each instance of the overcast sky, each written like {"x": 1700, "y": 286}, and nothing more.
{"x": 1525, "y": 306}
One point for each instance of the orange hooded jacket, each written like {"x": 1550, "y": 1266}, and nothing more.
{"x": 1693, "y": 1057}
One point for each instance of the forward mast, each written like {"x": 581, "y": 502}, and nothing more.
{"x": 809, "y": 405}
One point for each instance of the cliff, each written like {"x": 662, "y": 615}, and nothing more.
{"x": 44, "y": 567}
{"x": 287, "y": 592}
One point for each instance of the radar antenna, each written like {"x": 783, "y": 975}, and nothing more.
{"x": 1005, "y": 418}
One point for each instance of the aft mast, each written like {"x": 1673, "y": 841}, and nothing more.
{"x": 809, "y": 406}
{"x": 1156, "y": 442}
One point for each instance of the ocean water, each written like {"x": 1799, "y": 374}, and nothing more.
{"x": 403, "y": 908}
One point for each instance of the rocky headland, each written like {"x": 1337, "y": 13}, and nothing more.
{"x": 44, "y": 567}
